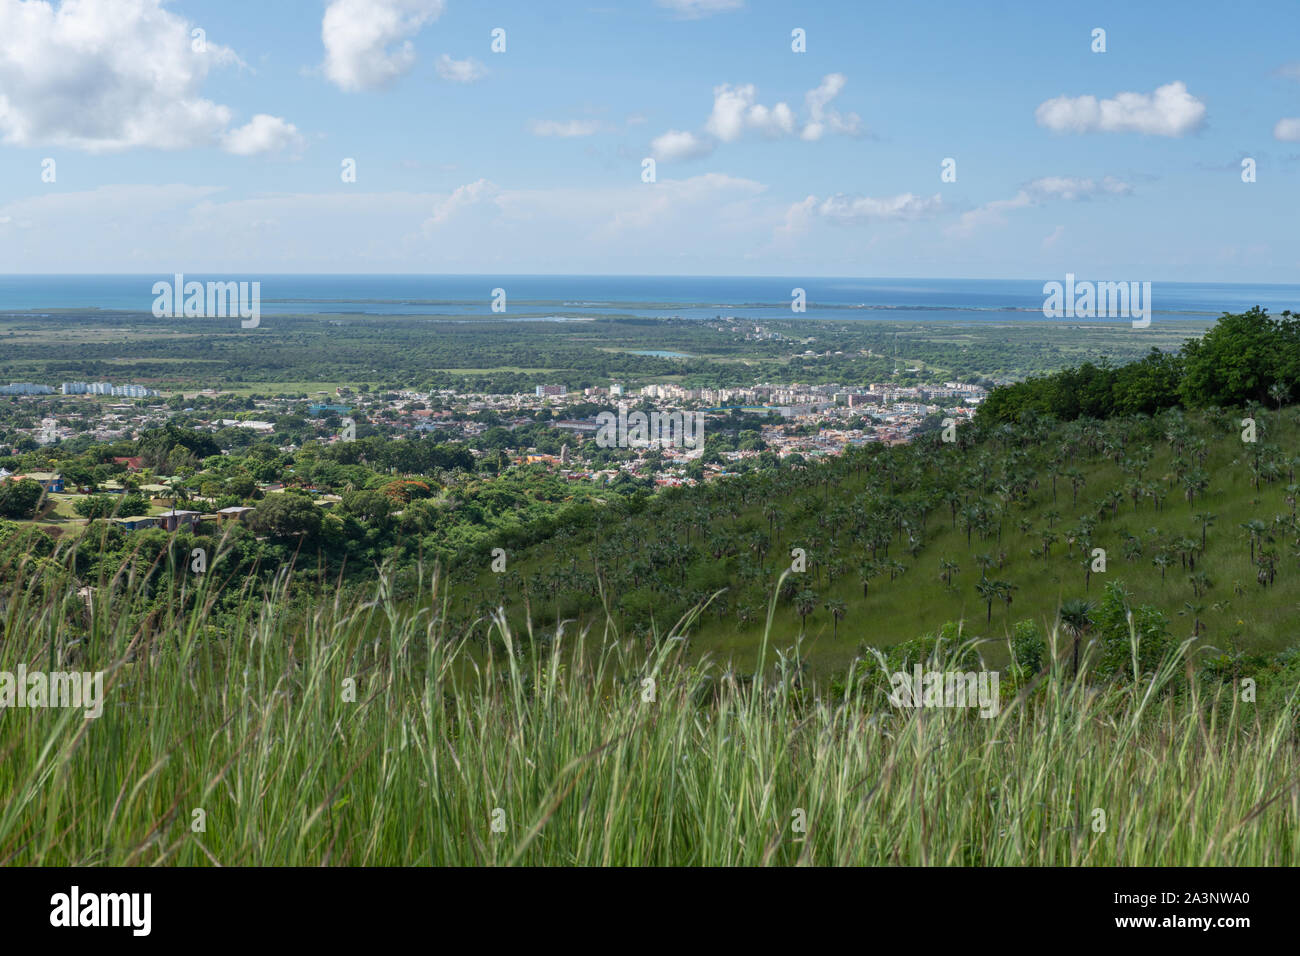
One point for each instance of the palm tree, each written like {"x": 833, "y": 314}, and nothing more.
{"x": 1194, "y": 482}
{"x": 953, "y": 500}
{"x": 971, "y": 517}
{"x": 1114, "y": 497}
{"x": 1255, "y": 529}
{"x": 1267, "y": 567}
{"x": 947, "y": 569}
{"x": 1195, "y": 610}
{"x": 1206, "y": 519}
{"x": 866, "y": 571}
{"x": 177, "y": 486}
{"x": 1076, "y": 620}
{"x": 1048, "y": 538}
{"x": 1004, "y": 590}
{"x": 771, "y": 512}
{"x": 804, "y": 604}
{"x": 837, "y": 611}
{"x": 1162, "y": 560}
{"x": 1077, "y": 481}
{"x": 1200, "y": 583}
{"x": 1135, "y": 489}
{"x": 988, "y": 593}
{"x": 834, "y": 568}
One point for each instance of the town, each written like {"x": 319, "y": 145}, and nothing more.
{"x": 555, "y": 428}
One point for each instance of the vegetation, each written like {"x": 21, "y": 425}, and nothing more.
{"x": 1246, "y": 358}
{"x": 1006, "y": 524}
{"x": 598, "y": 674}
{"x": 375, "y": 735}
{"x": 302, "y": 353}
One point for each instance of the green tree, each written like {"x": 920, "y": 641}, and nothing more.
{"x": 20, "y": 499}
{"x": 1076, "y": 619}
{"x": 287, "y": 515}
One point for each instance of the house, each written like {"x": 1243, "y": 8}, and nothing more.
{"x": 234, "y": 513}
{"x": 135, "y": 522}
{"x": 172, "y": 520}
{"x": 132, "y": 463}
{"x": 49, "y": 480}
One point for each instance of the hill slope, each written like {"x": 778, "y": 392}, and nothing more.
{"x": 988, "y": 530}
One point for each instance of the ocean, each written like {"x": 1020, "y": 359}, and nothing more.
{"x": 692, "y": 297}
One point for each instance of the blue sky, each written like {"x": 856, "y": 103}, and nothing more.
{"x": 1117, "y": 165}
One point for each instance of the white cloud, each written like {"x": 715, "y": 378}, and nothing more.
{"x": 368, "y": 42}
{"x": 736, "y": 112}
{"x": 1169, "y": 111}
{"x": 1053, "y": 237}
{"x": 1290, "y": 70}
{"x": 462, "y": 197}
{"x": 727, "y": 121}
{"x": 1287, "y": 130}
{"x": 821, "y": 116}
{"x": 798, "y": 219}
{"x": 564, "y": 129}
{"x": 262, "y": 134}
{"x": 695, "y": 9}
{"x": 863, "y": 209}
{"x": 677, "y": 144}
{"x": 468, "y": 70}
{"x": 1036, "y": 193}
{"x": 1072, "y": 190}
{"x": 104, "y": 76}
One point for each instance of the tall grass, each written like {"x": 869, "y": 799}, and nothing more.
{"x": 551, "y": 738}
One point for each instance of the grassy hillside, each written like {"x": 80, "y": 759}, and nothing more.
{"x": 294, "y": 730}
{"x": 1193, "y": 520}
{"x": 366, "y": 735}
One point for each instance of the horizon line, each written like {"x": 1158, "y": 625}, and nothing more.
{"x": 612, "y": 275}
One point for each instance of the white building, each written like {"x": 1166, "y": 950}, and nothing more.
{"x": 25, "y": 388}
{"x": 107, "y": 388}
